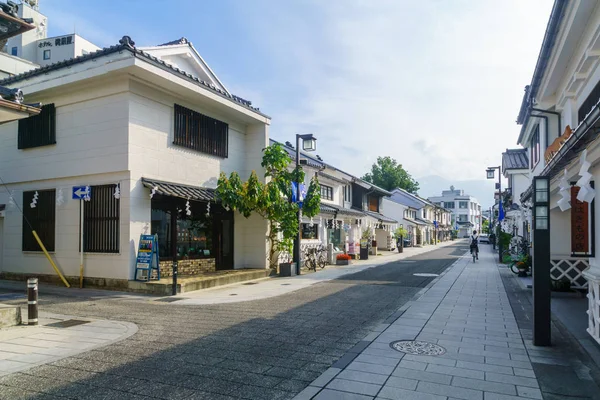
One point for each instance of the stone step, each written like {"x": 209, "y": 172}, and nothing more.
{"x": 9, "y": 315}
{"x": 186, "y": 284}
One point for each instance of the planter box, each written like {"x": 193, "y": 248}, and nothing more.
{"x": 342, "y": 262}
{"x": 287, "y": 269}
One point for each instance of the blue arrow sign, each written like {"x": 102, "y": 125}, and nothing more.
{"x": 81, "y": 192}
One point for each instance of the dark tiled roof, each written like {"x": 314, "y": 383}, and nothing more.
{"x": 179, "y": 190}
{"x": 333, "y": 209}
{"x": 182, "y": 40}
{"x": 126, "y": 44}
{"x": 515, "y": 159}
{"x": 380, "y": 217}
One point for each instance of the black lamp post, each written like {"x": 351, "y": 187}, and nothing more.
{"x": 541, "y": 261}
{"x": 309, "y": 143}
{"x": 490, "y": 175}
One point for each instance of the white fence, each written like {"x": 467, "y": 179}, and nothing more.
{"x": 571, "y": 268}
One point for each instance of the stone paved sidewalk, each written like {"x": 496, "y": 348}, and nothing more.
{"x": 467, "y": 313}
{"x": 56, "y": 337}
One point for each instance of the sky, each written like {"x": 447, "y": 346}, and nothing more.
{"x": 435, "y": 84}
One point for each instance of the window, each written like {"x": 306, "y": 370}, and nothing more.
{"x": 589, "y": 103}
{"x": 39, "y": 130}
{"x": 310, "y": 232}
{"x": 347, "y": 194}
{"x": 535, "y": 147}
{"x": 449, "y": 204}
{"x": 101, "y": 218}
{"x": 14, "y": 51}
{"x": 326, "y": 192}
{"x": 201, "y": 133}
{"x": 374, "y": 204}
{"x": 84, "y": 52}
{"x": 463, "y": 204}
{"x": 46, "y": 54}
{"x": 41, "y": 218}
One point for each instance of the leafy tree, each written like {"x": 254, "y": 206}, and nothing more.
{"x": 388, "y": 174}
{"x": 271, "y": 200}
{"x": 485, "y": 226}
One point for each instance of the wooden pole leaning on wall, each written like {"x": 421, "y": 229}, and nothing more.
{"x": 37, "y": 238}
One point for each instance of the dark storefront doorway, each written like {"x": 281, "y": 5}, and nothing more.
{"x": 197, "y": 236}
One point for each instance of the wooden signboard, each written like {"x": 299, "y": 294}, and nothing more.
{"x": 579, "y": 224}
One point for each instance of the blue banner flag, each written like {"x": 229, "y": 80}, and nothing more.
{"x": 501, "y": 212}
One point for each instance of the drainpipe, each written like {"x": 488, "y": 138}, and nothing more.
{"x": 551, "y": 112}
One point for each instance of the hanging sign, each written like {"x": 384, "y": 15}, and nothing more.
{"x": 579, "y": 224}
{"x": 147, "y": 258}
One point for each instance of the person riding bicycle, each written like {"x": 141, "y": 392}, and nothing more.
{"x": 475, "y": 244}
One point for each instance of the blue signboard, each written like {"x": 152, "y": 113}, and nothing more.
{"x": 147, "y": 258}
{"x": 81, "y": 192}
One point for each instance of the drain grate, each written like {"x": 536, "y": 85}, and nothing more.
{"x": 169, "y": 299}
{"x": 426, "y": 275}
{"x": 233, "y": 294}
{"x": 250, "y": 283}
{"x": 418, "y": 348}
{"x": 68, "y": 323}
{"x": 285, "y": 284}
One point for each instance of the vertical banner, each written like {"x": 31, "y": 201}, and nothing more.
{"x": 579, "y": 224}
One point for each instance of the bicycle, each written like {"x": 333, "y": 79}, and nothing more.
{"x": 315, "y": 257}
{"x": 475, "y": 252}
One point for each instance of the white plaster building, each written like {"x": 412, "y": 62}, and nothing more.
{"x": 515, "y": 168}
{"x": 466, "y": 210}
{"x": 560, "y": 116}
{"x": 124, "y": 118}
{"x": 349, "y": 207}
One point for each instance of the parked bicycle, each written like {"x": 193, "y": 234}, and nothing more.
{"x": 517, "y": 254}
{"x": 315, "y": 256}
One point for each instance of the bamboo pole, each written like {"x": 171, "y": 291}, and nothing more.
{"x": 50, "y": 258}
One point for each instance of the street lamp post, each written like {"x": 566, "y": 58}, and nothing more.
{"x": 490, "y": 175}
{"x": 309, "y": 143}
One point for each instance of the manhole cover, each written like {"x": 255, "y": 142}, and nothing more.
{"x": 425, "y": 274}
{"x": 418, "y": 348}
{"x": 68, "y": 323}
{"x": 169, "y": 299}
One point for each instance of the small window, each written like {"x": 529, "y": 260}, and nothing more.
{"x": 201, "y": 133}
{"x": 463, "y": 204}
{"x": 310, "y": 232}
{"x": 347, "y": 193}
{"x": 326, "y": 192}
{"x": 84, "y": 52}
{"x": 14, "y": 51}
{"x": 46, "y": 54}
{"x": 101, "y": 219}
{"x": 535, "y": 147}
{"x": 40, "y": 218}
{"x": 39, "y": 130}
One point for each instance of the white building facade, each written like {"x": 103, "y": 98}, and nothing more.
{"x": 127, "y": 124}
{"x": 466, "y": 210}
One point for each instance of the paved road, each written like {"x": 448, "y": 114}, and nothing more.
{"x": 263, "y": 349}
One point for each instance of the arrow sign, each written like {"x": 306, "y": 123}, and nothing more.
{"x": 80, "y": 192}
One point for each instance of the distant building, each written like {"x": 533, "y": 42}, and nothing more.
{"x": 34, "y": 48}
{"x": 466, "y": 210}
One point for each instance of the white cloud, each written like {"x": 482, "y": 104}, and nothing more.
{"x": 435, "y": 84}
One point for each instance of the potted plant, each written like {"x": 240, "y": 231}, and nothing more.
{"x": 523, "y": 268}
{"x": 400, "y": 234}
{"x": 342, "y": 259}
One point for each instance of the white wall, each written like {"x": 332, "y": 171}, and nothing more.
{"x": 152, "y": 154}
{"x": 26, "y": 42}
{"x": 91, "y": 136}
{"x": 10, "y": 65}
{"x": 66, "y": 254}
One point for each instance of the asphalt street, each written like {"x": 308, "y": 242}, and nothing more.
{"x": 264, "y": 349}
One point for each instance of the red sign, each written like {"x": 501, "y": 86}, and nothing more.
{"x": 579, "y": 224}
